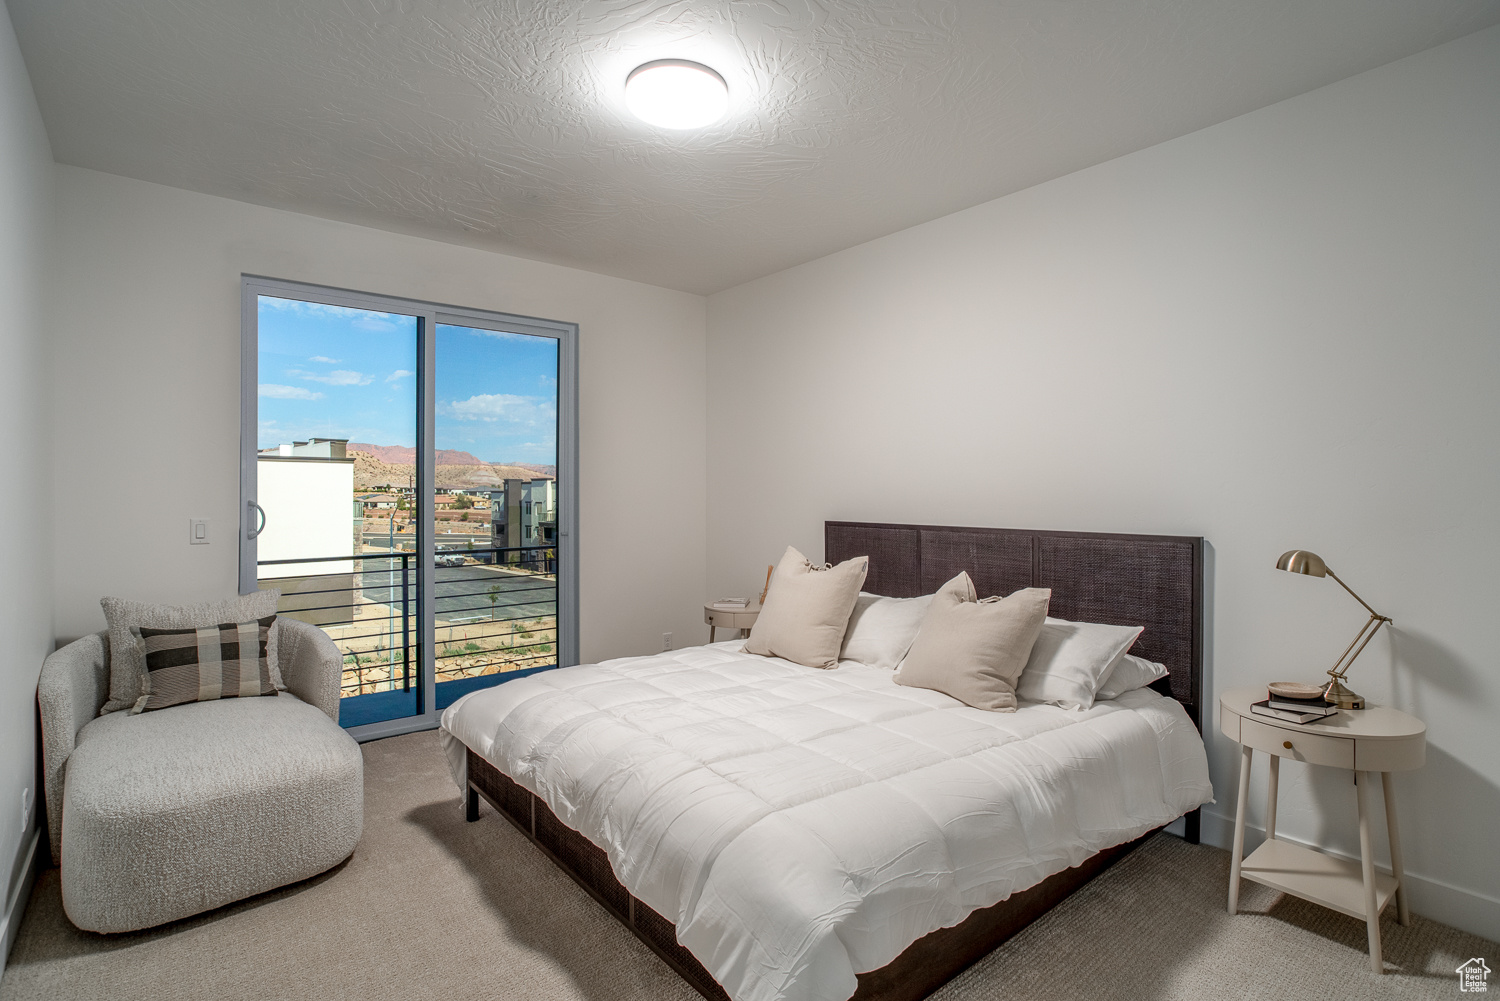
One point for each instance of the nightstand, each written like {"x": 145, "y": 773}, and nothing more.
{"x": 1365, "y": 741}
{"x": 729, "y": 618}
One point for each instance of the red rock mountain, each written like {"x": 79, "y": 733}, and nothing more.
{"x": 403, "y": 455}
{"x": 392, "y": 465}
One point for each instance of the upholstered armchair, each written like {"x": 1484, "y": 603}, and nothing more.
{"x": 158, "y": 816}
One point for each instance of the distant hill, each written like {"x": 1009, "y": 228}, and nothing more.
{"x": 370, "y": 470}
{"x": 400, "y": 455}
{"x": 548, "y": 471}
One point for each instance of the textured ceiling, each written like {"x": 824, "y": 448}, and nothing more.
{"x": 500, "y": 123}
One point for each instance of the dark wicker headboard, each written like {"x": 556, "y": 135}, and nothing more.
{"x": 1154, "y": 581}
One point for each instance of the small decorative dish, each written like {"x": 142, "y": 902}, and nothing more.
{"x": 1295, "y": 690}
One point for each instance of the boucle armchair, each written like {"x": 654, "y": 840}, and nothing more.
{"x": 162, "y": 815}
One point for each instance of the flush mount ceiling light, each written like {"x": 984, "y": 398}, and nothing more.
{"x": 676, "y": 94}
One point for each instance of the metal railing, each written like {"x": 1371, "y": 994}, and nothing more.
{"x": 496, "y": 611}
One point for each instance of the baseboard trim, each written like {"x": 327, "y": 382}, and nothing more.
{"x": 1468, "y": 910}
{"x": 15, "y": 907}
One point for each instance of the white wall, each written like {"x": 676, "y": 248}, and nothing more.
{"x": 26, "y": 194}
{"x": 146, "y": 325}
{"x": 1282, "y": 331}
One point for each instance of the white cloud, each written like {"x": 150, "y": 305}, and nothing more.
{"x": 400, "y": 373}
{"x": 503, "y": 335}
{"x": 275, "y": 392}
{"x": 519, "y": 412}
{"x": 384, "y": 323}
{"x": 534, "y": 451}
{"x": 325, "y": 361}
{"x": 338, "y": 377}
{"x": 367, "y": 318}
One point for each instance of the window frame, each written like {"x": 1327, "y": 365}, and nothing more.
{"x": 429, "y": 315}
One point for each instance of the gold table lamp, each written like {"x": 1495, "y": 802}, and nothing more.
{"x": 1301, "y": 561}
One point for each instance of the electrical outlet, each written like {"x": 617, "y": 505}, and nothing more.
{"x": 666, "y": 642}
{"x": 197, "y": 531}
{"x": 25, "y": 809}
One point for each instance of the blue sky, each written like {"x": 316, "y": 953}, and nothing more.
{"x": 335, "y": 372}
{"x": 497, "y": 394}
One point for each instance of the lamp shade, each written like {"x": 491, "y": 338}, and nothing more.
{"x": 1302, "y": 561}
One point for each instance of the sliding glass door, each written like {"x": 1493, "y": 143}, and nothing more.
{"x": 495, "y": 506}
{"x": 336, "y": 387}
{"x": 407, "y": 484}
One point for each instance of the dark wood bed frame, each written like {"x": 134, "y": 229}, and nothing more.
{"x": 1151, "y": 580}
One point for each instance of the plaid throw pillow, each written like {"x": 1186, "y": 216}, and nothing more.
{"x": 199, "y": 665}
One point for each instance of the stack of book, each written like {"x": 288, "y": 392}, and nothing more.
{"x": 1294, "y": 710}
{"x": 732, "y": 604}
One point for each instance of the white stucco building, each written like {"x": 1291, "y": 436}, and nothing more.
{"x": 524, "y": 514}
{"x": 306, "y": 489}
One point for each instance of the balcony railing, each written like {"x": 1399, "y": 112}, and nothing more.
{"x": 494, "y": 609}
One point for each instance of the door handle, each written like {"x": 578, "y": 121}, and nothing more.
{"x": 251, "y": 508}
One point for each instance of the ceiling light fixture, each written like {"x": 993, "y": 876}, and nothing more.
{"x": 676, "y": 94}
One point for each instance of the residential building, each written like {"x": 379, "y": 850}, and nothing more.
{"x": 523, "y": 514}
{"x": 306, "y": 490}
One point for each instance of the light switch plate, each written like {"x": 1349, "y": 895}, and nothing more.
{"x": 198, "y": 531}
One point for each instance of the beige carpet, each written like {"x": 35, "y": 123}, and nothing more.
{"x": 432, "y": 907}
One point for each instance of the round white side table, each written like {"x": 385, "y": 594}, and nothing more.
{"x": 729, "y": 618}
{"x": 1365, "y": 741}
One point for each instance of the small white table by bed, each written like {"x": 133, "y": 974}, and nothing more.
{"x": 729, "y": 618}
{"x": 1365, "y": 741}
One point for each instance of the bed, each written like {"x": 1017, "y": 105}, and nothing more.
{"x": 774, "y": 831}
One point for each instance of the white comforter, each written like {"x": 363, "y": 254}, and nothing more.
{"x": 798, "y": 825}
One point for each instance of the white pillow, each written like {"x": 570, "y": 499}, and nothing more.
{"x": 1071, "y": 659}
{"x": 807, "y": 610}
{"x": 881, "y": 629}
{"x": 1131, "y": 672}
